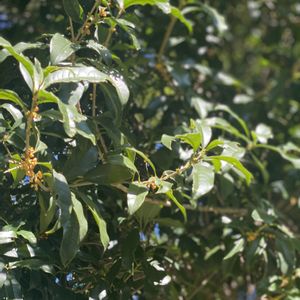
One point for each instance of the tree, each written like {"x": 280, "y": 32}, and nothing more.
{"x": 135, "y": 165}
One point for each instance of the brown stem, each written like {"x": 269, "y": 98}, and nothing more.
{"x": 199, "y": 286}
{"x": 30, "y": 116}
{"x": 94, "y": 100}
{"x": 80, "y": 33}
{"x": 112, "y": 30}
{"x": 168, "y": 33}
{"x": 207, "y": 209}
{"x": 72, "y": 30}
{"x": 166, "y": 38}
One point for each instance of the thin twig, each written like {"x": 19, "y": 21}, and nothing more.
{"x": 200, "y": 286}
{"x": 168, "y": 33}
{"x": 112, "y": 30}
{"x": 207, "y": 209}
{"x": 30, "y": 115}
{"x": 72, "y": 30}
{"x": 81, "y": 30}
{"x": 94, "y": 95}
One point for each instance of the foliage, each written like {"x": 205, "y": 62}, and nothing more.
{"x": 135, "y": 165}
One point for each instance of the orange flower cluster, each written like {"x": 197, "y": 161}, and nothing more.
{"x": 33, "y": 115}
{"x": 28, "y": 164}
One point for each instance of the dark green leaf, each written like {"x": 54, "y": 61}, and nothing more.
{"x": 73, "y": 10}
{"x": 62, "y": 195}
{"x": 104, "y": 238}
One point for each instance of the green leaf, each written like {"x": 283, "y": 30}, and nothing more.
{"x": 74, "y": 231}
{"x": 7, "y": 237}
{"x": 181, "y": 207}
{"x": 237, "y": 164}
{"x": 164, "y": 5}
{"x": 62, "y": 195}
{"x": 205, "y": 131}
{"x": 214, "y": 144}
{"x": 20, "y": 47}
{"x": 122, "y": 160}
{"x": 78, "y": 210}
{"x": 27, "y": 235}
{"x": 101, "y": 50}
{"x": 112, "y": 102}
{"x": 141, "y": 154}
{"x": 73, "y": 10}
{"x": 117, "y": 169}
{"x": 136, "y": 196}
{"x": 193, "y": 139}
{"x": 15, "y": 113}
{"x": 32, "y": 264}
{"x": 16, "y": 172}
{"x": 26, "y": 66}
{"x": 177, "y": 13}
{"x": 222, "y": 124}
{"x": 47, "y": 211}
{"x": 46, "y": 97}
{"x": 104, "y": 238}
{"x": 203, "y": 179}
{"x": 263, "y": 133}
{"x": 241, "y": 121}
{"x": 238, "y": 247}
{"x": 60, "y": 49}
{"x": 218, "y": 19}
{"x": 291, "y": 153}
{"x": 128, "y": 248}
{"x": 71, "y": 239}
{"x": 70, "y": 114}
{"x": 83, "y": 158}
{"x": 118, "y": 138}
{"x": 83, "y": 129}
{"x": 163, "y": 186}
{"x": 90, "y": 74}
{"x": 167, "y": 140}
{"x": 13, "y": 97}
{"x": 75, "y": 74}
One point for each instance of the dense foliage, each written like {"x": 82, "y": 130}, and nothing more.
{"x": 149, "y": 149}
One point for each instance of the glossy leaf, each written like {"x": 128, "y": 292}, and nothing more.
{"x": 74, "y": 10}
{"x": 60, "y": 49}
{"x": 90, "y": 74}
{"x": 161, "y": 4}
{"x": 62, "y": 195}
{"x": 117, "y": 169}
{"x": 177, "y": 13}
{"x": 218, "y": 19}
{"x": 167, "y": 140}
{"x": 203, "y": 179}
{"x": 26, "y": 66}
{"x": 13, "y": 97}
{"x": 104, "y": 238}
{"x": 176, "y": 202}
{"x": 193, "y": 139}
{"x": 237, "y": 164}
{"x": 47, "y": 212}
{"x": 238, "y": 247}
{"x": 136, "y": 196}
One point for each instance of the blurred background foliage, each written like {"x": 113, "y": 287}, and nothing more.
{"x": 253, "y": 67}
